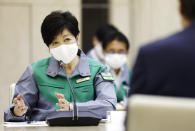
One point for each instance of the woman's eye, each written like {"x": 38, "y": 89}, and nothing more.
{"x": 67, "y": 39}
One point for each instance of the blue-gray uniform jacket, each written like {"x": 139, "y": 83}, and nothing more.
{"x": 39, "y": 106}
{"x": 123, "y": 87}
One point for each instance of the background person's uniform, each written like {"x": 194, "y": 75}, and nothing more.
{"x": 122, "y": 82}
{"x": 92, "y": 54}
{"x": 167, "y": 67}
{"x": 94, "y": 91}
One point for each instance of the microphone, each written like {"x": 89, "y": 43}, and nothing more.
{"x": 74, "y": 117}
{"x": 75, "y": 109}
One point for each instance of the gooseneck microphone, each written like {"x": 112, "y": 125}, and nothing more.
{"x": 75, "y": 109}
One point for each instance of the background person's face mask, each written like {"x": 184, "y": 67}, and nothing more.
{"x": 115, "y": 61}
{"x": 65, "y": 53}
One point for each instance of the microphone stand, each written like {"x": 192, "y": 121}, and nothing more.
{"x": 75, "y": 109}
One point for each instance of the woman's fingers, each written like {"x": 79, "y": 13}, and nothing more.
{"x": 15, "y": 101}
{"x": 19, "y": 96}
{"x": 19, "y": 103}
{"x": 24, "y": 109}
{"x": 59, "y": 96}
{"x": 62, "y": 101}
{"x": 20, "y": 107}
{"x": 20, "y": 111}
{"x": 63, "y": 109}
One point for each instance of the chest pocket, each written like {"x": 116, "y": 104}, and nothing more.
{"x": 84, "y": 91}
{"x": 48, "y": 90}
{"x": 51, "y": 85}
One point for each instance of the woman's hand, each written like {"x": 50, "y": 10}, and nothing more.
{"x": 19, "y": 109}
{"x": 62, "y": 102}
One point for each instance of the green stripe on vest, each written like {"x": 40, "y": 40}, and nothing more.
{"x": 83, "y": 86}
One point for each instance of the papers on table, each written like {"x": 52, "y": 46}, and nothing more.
{"x": 120, "y": 107}
{"x": 103, "y": 120}
{"x": 117, "y": 119}
{"x": 25, "y": 124}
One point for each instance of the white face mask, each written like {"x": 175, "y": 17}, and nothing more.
{"x": 115, "y": 61}
{"x": 99, "y": 51}
{"x": 65, "y": 53}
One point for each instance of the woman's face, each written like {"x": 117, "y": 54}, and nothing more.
{"x": 116, "y": 46}
{"x": 66, "y": 37}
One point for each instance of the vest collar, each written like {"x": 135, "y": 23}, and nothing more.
{"x": 53, "y": 67}
{"x": 82, "y": 69}
{"x": 83, "y": 66}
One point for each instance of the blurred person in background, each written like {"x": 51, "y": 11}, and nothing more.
{"x": 96, "y": 53}
{"x": 167, "y": 66}
{"x": 115, "y": 48}
{"x": 45, "y": 85}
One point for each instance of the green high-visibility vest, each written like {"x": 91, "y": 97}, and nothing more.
{"x": 82, "y": 86}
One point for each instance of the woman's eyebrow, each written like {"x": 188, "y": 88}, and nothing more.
{"x": 65, "y": 35}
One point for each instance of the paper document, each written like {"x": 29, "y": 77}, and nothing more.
{"x": 25, "y": 124}
{"x": 117, "y": 121}
{"x": 120, "y": 107}
{"x": 103, "y": 120}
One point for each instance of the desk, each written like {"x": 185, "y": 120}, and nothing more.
{"x": 115, "y": 124}
{"x": 101, "y": 127}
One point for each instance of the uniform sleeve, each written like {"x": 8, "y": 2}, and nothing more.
{"x": 27, "y": 87}
{"x": 138, "y": 81}
{"x": 105, "y": 97}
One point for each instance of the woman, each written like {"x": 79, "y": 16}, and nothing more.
{"x": 45, "y": 85}
{"x": 116, "y": 48}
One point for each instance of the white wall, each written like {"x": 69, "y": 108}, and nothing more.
{"x": 151, "y": 20}
{"x": 20, "y": 37}
{"x": 143, "y": 21}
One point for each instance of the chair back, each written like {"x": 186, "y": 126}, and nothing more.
{"x": 157, "y": 113}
